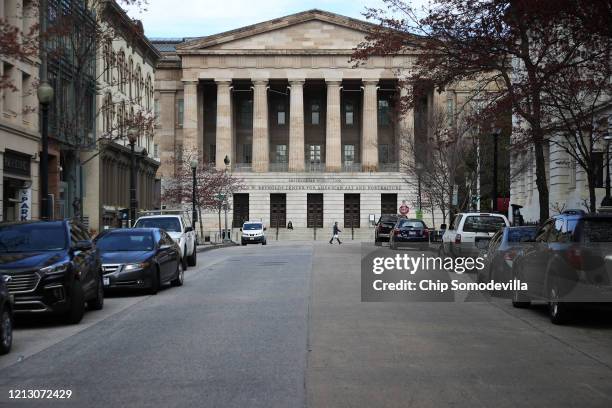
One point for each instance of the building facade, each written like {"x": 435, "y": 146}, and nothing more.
{"x": 314, "y": 139}
{"x": 19, "y": 131}
{"x": 126, "y": 77}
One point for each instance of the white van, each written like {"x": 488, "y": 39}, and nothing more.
{"x": 253, "y": 232}
{"x": 469, "y": 232}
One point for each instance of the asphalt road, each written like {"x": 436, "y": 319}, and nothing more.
{"x": 283, "y": 326}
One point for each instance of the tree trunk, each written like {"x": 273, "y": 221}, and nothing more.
{"x": 200, "y": 219}
{"x": 541, "y": 183}
{"x": 220, "y": 236}
{"x": 592, "y": 198}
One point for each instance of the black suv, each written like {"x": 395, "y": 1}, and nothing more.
{"x": 6, "y": 316}
{"x": 53, "y": 267}
{"x": 385, "y": 224}
{"x": 568, "y": 263}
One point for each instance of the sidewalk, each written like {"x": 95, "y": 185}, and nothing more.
{"x": 208, "y": 246}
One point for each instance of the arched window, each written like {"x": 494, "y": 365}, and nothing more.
{"x": 121, "y": 70}
{"x": 130, "y": 76}
{"x": 137, "y": 83}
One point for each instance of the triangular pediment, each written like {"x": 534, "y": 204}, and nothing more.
{"x": 314, "y": 29}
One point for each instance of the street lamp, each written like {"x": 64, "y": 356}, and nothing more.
{"x": 607, "y": 200}
{"x": 194, "y": 214}
{"x": 132, "y": 135}
{"x": 495, "y": 132}
{"x": 45, "y": 97}
{"x": 226, "y": 238}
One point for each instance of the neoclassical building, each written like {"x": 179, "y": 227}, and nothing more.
{"x": 314, "y": 138}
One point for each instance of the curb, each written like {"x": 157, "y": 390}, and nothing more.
{"x": 209, "y": 247}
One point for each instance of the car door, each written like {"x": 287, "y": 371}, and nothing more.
{"x": 534, "y": 259}
{"x": 86, "y": 260}
{"x": 165, "y": 256}
{"x": 494, "y": 255}
{"x": 448, "y": 239}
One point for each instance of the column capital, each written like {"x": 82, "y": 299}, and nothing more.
{"x": 370, "y": 82}
{"x": 296, "y": 81}
{"x": 224, "y": 81}
{"x": 189, "y": 81}
{"x": 259, "y": 82}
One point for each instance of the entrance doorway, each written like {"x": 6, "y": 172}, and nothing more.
{"x": 278, "y": 210}
{"x": 314, "y": 211}
{"x": 351, "y": 211}
{"x": 241, "y": 210}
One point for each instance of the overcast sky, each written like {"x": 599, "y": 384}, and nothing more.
{"x": 192, "y": 18}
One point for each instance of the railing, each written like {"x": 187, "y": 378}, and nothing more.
{"x": 388, "y": 167}
{"x": 243, "y": 167}
{"x": 312, "y": 167}
{"x": 279, "y": 167}
{"x": 351, "y": 167}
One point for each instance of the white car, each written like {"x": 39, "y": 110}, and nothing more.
{"x": 253, "y": 232}
{"x": 469, "y": 232}
{"x": 176, "y": 226}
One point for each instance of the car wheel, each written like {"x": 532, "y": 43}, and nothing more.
{"x": 77, "y": 305}
{"x": 193, "y": 258}
{"x": 558, "y": 311}
{"x": 264, "y": 243}
{"x": 243, "y": 243}
{"x": 6, "y": 332}
{"x": 180, "y": 275}
{"x": 155, "y": 282}
{"x": 97, "y": 303}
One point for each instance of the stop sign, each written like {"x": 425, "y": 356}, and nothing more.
{"x": 404, "y": 209}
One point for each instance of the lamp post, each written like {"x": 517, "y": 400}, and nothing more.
{"x": 132, "y": 136}
{"x": 194, "y": 214}
{"x": 45, "y": 96}
{"x": 495, "y": 132}
{"x": 607, "y": 200}
{"x": 226, "y": 237}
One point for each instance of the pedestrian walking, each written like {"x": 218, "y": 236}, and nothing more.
{"x": 335, "y": 234}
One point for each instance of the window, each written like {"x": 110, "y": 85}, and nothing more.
{"x": 597, "y": 158}
{"x": 348, "y": 113}
{"x": 155, "y": 150}
{"x": 450, "y": 111}
{"x": 349, "y": 154}
{"x": 572, "y": 172}
{"x": 246, "y": 113}
{"x": 383, "y": 112}
{"x": 383, "y": 153}
{"x": 314, "y": 153}
{"x": 247, "y": 153}
{"x": 281, "y": 153}
{"x": 315, "y": 113}
{"x": 281, "y": 114}
{"x": 180, "y": 112}
{"x": 212, "y": 153}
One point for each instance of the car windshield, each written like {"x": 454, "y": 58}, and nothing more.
{"x": 251, "y": 227}
{"x": 411, "y": 224}
{"x": 134, "y": 241}
{"x": 521, "y": 234}
{"x": 388, "y": 219}
{"x": 483, "y": 223}
{"x": 33, "y": 237}
{"x": 170, "y": 224}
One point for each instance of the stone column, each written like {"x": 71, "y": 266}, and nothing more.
{"x": 333, "y": 138}
{"x": 405, "y": 138}
{"x": 369, "y": 134}
{"x": 224, "y": 123}
{"x": 261, "y": 138}
{"x": 190, "y": 120}
{"x": 296, "y": 126}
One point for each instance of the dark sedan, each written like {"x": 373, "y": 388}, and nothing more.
{"x": 139, "y": 258}
{"x": 501, "y": 252}
{"x": 6, "y": 316}
{"x": 408, "y": 231}
{"x": 53, "y": 266}
{"x": 385, "y": 224}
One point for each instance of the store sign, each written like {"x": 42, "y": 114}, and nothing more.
{"x": 17, "y": 163}
{"x": 25, "y": 204}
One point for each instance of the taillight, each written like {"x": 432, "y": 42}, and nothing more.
{"x": 574, "y": 257}
{"x": 426, "y": 233}
{"x": 458, "y": 239}
{"x": 396, "y": 231}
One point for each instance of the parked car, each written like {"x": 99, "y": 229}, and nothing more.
{"x": 385, "y": 224}
{"x": 54, "y": 268}
{"x": 253, "y": 232}
{"x": 501, "y": 251}
{"x": 407, "y": 230}
{"x": 567, "y": 263}
{"x": 179, "y": 230}
{"x": 6, "y": 316}
{"x": 139, "y": 258}
{"x": 463, "y": 236}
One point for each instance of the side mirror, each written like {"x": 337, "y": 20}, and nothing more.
{"x": 189, "y": 229}
{"x": 240, "y": 229}
{"x": 84, "y": 245}
{"x": 443, "y": 226}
